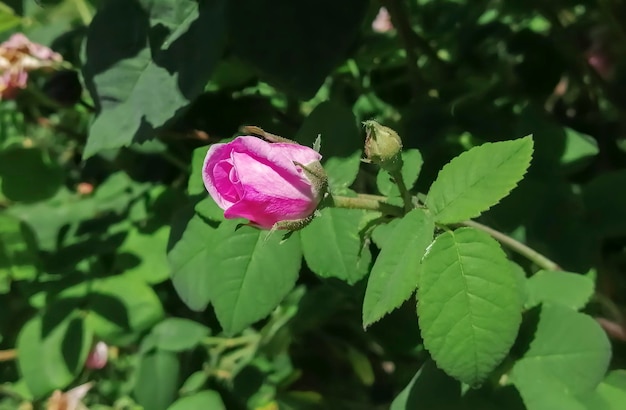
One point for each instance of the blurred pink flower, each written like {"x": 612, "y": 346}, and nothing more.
{"x": 98, "y": 356}
{"x": 261, "y": 181}
{"x": 18, "y": 56}
{"x": 70, "y": 400}
{"x": 382, "y": 22}
{"x": 11, "y": 81}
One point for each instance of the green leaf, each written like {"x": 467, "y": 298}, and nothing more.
{"x": 382, "y": 233}
{"x": 336, "y": 125}
{"x": 333, "y": 247}
{"x": 252, "y": 274}
{"x": 430, "y": 388}
{"x": 478, "y": 179}
{"x": 604, "y": 204}
{"x": 146, "y": 64}
{"x": 20, "y": 167}
{"x": 469, "y": 306}
{"x": 157, "y": 380}
{"x": 286, "y": 42}
{"x": 142, "y": 255}
{"x": 396, "y": 271}
{"x": 18, "y": 252}
{"x": 195, "y": 185}
{"x": 8, "y": 18}
{"x": 207, "y": 399}
{"x": 208, "y": 208}
{"x": 569, "y": 349}
{"x": 176, "y": 334}
{"x": 542, "y": 391}
{"x": 565, "y": 288}
{"x": 194, "y": 382}
{"x": 121, "y": 307}
{"x": 360, "y": 365}
{"x": 342, "y": 172}
{"x": 411, "y": 166}
{"x": 579, "y": 148}
{"x": 190, "y": 261}
{"x": 610, "y": 394}
{"x": 52, "y": 350}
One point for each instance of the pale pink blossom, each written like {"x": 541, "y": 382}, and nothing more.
{"x": 98, "y": 356}
{"x": 382, "y": 22}
{"x": 11, "y": 81}
{"x": 261, "y": 181}
{"x": 19, "y": 56}
{"x": 70, "y": 400}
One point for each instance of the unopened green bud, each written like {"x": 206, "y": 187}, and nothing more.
{"x": 383, "y": 146}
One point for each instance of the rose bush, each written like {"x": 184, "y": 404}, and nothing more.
{"x": 264, "y": 182}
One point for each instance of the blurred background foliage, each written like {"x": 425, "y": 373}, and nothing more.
{"x": 95, "y": 165}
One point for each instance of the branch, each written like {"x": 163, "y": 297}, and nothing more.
{"x": 515, "y": 245}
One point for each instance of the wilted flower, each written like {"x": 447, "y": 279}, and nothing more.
{"x": 11, "y": 81}
{"x": 382, "y": 22}
{"x": 70, "y": 400}
{"x": 266, "y": 183}
{"x": 98, "y": 356}
{"x": 18, "y": 56}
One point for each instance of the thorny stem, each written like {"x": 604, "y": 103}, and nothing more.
{"x": 377, "y": 203}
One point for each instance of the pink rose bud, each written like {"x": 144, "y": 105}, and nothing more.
{"x": 98, "y": 356}
{"x": 266, "y": 183}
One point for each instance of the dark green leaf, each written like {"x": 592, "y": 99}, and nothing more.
{"x": 51, "y": 351}
{"x": 289, "y": 42}
{"x": 332, "y": 246}
{"x": 396, "y": 271}
{"x": 208, "y": 399}
{"x": 157, "y": 379}
{"x": 121, "y": 307}
{"x": 252, "y": 273}
{"x": 21, "y": 167}
{"x": 18, "y": 251}
{"x": 176, "y": 335}
{"x": 191, "y": 262}
{"x": 146, "y": 63}
{"x": 429, "y": 389}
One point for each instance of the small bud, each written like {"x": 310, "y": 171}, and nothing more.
{"x": 383, "y": 146}
{"x": 98, "y": 356}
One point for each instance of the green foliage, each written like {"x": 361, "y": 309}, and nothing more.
{"x": 163, "y": 56}
{"x": 51, "y": 350}
{"x": 252, "y": 272}
{"x": 489, "y": 276}
{"x": 396, "y": 272}
{"x": 568, "y": 289}
{"x": 332, "y": 246}
{"x": 476, "y": 180}
{"x": 468, "y": 305}
{"x": 567, "y": 358}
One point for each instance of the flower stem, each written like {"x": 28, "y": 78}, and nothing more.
{"x": 369, "y": 203}
{"x": 515, "y": 245}
{"x": 377, "y": 203}
{"x": 404, "y": 192}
